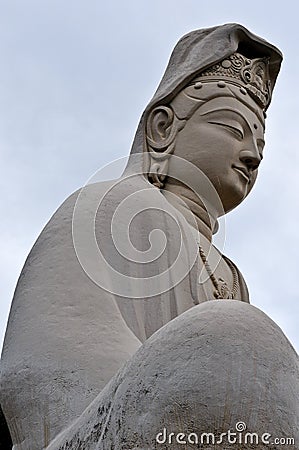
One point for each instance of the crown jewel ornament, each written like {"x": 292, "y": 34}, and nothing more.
{"x": 252, "y": 75}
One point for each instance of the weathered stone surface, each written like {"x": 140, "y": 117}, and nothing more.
{"x": 66, "y": 338}
{"x": 218, "y": 364}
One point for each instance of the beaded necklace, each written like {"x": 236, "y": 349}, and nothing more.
{"x": 221, "y": 290}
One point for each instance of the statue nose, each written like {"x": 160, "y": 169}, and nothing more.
{"x": 251, "y": 158}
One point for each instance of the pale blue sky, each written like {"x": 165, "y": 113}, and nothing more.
{"x": 74, "y": 79}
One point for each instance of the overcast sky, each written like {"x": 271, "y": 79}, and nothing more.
{"x": 74, "y": 78}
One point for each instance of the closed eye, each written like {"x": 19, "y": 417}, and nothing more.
{"x": 236, "y": 131}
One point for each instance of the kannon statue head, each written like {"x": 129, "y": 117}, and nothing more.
{"x": 210, "y": 109}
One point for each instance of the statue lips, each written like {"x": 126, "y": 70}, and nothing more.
{"x": 244, "y": 172}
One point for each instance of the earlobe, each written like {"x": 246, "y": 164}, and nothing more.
{"x": 158, "y": 172}
{"x": 161, "y": 130}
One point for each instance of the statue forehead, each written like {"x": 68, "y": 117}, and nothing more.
{"x": 219, "y": 94}
{"x": 234, "y": 105}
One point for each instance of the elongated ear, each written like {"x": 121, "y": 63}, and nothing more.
{"x": 159, "y": 127}
{"x": 161, "y": 130}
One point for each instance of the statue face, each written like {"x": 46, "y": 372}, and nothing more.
{"x": 225, "y": 139}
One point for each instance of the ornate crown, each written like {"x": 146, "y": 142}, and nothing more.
{"x": 251, "y": 74}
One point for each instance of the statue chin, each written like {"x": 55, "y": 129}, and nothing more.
{"x": 233, "y": 194}
{"x": 219, "y": 368}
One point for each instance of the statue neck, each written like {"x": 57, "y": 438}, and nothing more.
{"x": 192, "y": 208}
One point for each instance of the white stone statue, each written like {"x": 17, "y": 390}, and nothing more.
{"x": 124, "y": 260}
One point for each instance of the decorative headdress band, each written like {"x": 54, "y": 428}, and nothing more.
{"x": 250, "y": 74}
